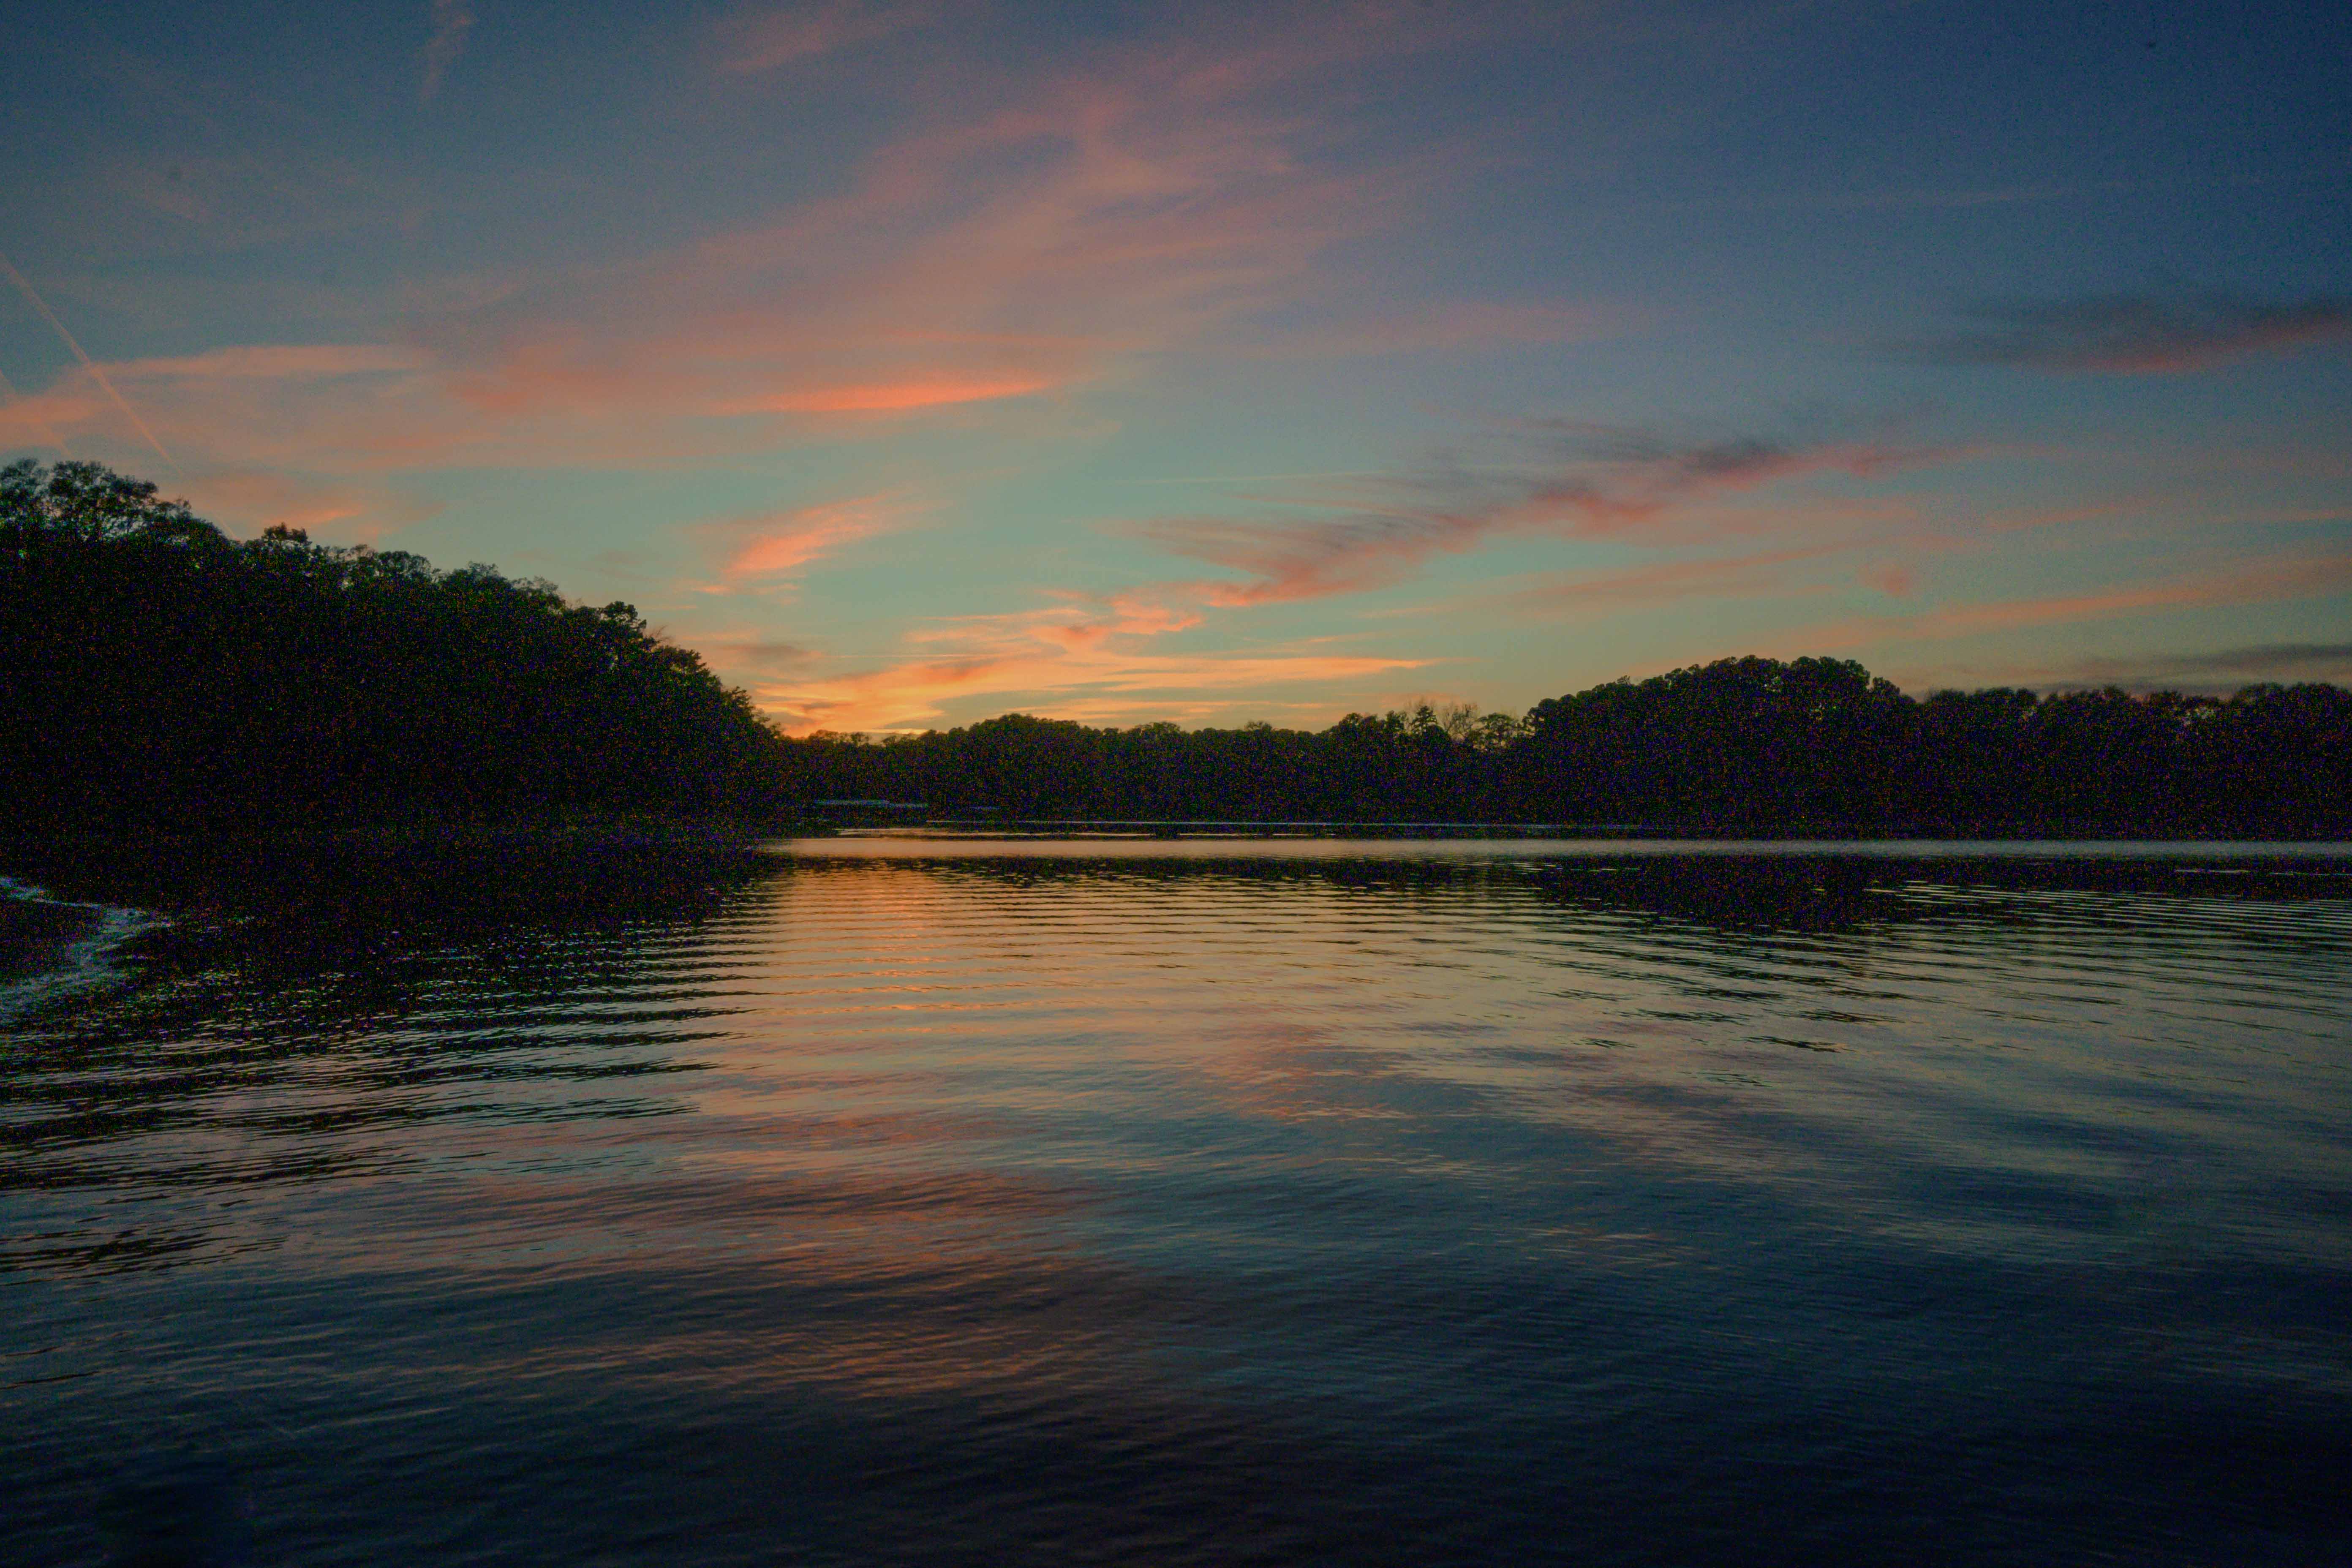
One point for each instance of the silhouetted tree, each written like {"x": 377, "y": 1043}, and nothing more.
{"x": 1741, "y": 744}
{"x": 156, "y": 670}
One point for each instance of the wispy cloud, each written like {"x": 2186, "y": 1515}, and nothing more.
{"x": 1032, "y": 248}
{"x": 763, "y": 548}
{"x": 764, "y": 37}
{"x": 2139, "y": 334}
{"x": 2218, "y": 669}
{"x": 1039, "y": 233}
{"x": 1101, "y": 215}
{"x": 452, "y": 20}
{"x": 934, "y": 389}
{"x": 2271, "y": 580}
{"x": 1579, "y": 480}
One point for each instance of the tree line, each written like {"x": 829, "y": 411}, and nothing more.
{"x": 154, "y": 670}
{"x": 1738, "y": 744}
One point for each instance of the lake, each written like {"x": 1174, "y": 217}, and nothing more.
{"x": 920, "y": 1201}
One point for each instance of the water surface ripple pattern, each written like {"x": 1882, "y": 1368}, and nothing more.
{"x": 914, "y": 1203}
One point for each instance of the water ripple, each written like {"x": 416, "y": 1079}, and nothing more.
{"x": 1217, "y": 1204}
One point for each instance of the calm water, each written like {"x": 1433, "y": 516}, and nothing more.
{"x": 1206, "y": 1203}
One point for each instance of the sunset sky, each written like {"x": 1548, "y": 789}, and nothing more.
{"x": 919, "y": 361}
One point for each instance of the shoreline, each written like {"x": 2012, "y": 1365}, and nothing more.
{"x": 1594, "y": 832}
{"x": 601, "y": 859}
{"x": 327, "y": 873}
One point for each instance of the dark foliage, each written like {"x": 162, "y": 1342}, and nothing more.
{"x": 1396, "y": 767}
{"x": 1738, "y": 745}
{"x": 157, "y": 672}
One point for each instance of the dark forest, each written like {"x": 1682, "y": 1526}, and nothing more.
{"x": 160, "y": 674}
{"x": 1758, "y": 744}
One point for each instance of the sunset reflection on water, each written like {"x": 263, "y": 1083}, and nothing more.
{"x": 925, "y": 1201}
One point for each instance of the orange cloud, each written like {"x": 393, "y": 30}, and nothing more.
{"x": 1077, "y": 624}
{"x": 911, "y": 694}
{"x": 778, "y": 543}
{"x": 934, "y": 391}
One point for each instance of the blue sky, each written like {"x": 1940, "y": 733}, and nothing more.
{"x": 918, "y": 360}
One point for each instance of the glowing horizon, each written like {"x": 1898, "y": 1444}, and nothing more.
{"x": 920, "y": 362}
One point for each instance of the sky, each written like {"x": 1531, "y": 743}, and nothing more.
{"x": 918, "y": 360}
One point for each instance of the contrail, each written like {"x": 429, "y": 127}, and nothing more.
{"x": 9, "y": 394}
{"x": 88, "y": 364}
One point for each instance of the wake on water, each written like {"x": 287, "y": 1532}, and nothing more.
{"x": 55, "y": 965}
